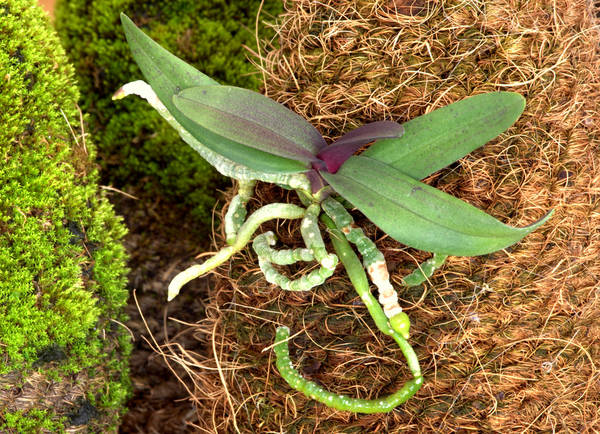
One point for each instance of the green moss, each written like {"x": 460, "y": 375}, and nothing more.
{"x": 136, "y": 146}
{"x": 62, "y": 269}
{"x": 32, "y": 421}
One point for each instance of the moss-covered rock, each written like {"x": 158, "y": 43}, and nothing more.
{"x": 135, "y": 145}
{"x": 63, "y": 354}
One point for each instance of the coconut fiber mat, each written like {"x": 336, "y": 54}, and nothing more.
{"x": 508, "y": 342}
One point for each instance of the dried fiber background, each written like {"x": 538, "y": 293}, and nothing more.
{"x": 509, "y": 341}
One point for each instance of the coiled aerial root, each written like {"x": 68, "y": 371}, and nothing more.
{"x": 340, "y": 402}
{"x": 268, "y": 256}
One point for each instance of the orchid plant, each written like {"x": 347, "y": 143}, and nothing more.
{"x": 249, "y": 137}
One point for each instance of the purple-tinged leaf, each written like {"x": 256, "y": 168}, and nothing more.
{"x": 343, "y": 148}
{"x": 167, "y": 75}
{"x": 250, "y": 118}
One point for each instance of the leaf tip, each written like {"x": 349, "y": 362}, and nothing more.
{"x": 517, "y": 99}
{"x": 124, "y": 19}
{"x": 541, "y": 221}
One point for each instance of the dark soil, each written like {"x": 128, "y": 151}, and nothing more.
{"x": 160, "y": 243}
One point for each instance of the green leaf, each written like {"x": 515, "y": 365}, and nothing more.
{"x": 418, "y": 215}
{"x": 168, "y": 75}
{"x": 437, "y": 139}
{"x": 252, "y": 119}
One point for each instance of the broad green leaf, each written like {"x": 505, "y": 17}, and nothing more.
{"x": 168, "y": 75}
{"x": 252, "y": 119}
{"x": 437, "y": 139}
{"x": 418, "y": 215}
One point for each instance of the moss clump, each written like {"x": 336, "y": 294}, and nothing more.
{"x": 34, "y": 421}
{"x": 62, "y": 268}
{"x": 135, "y": 145}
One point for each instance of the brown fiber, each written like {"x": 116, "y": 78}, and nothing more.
{"x": 508, "y": 342}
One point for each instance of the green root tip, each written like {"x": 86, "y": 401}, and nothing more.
{"x": 400, "y": 323}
